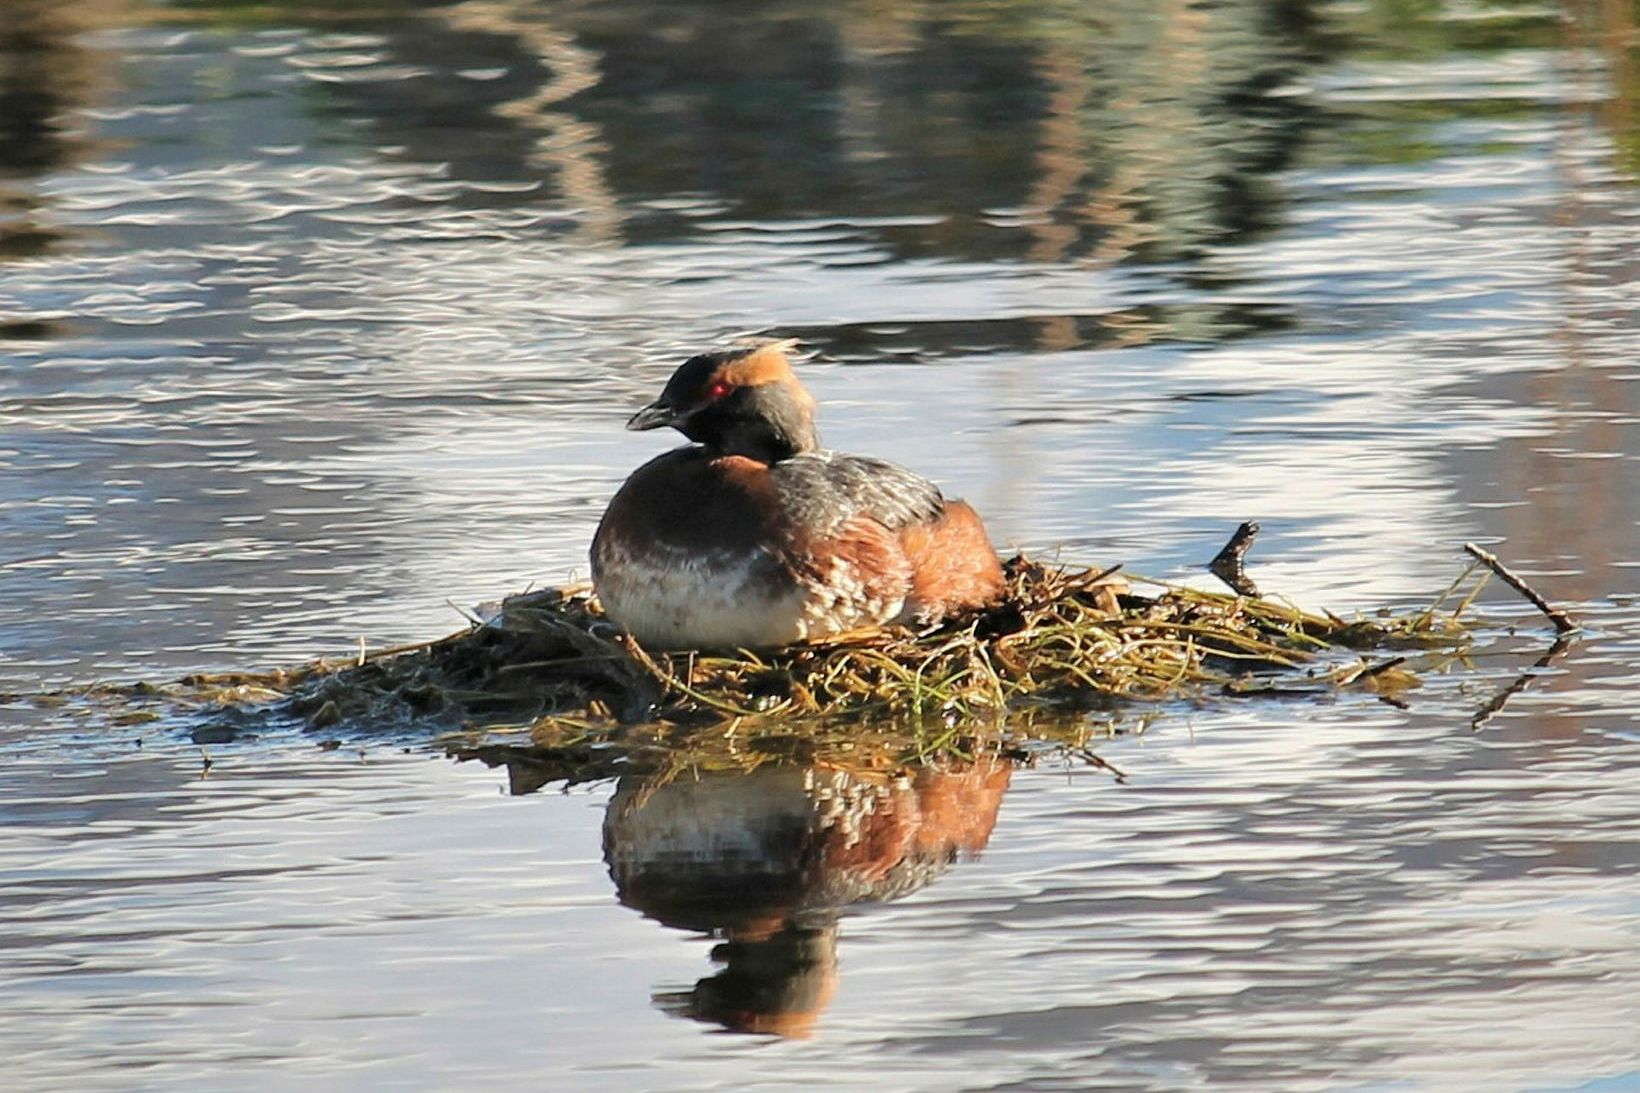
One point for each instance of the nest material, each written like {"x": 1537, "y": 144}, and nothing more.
{"x": 546, "y": 685}
{"x": 1062, "y": 639}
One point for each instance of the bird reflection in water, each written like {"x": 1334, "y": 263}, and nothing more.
{"x": 767, "y": 860}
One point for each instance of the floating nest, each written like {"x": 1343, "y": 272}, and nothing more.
{"x": 546, "y": 672}
{"x": 1063, "y": 639}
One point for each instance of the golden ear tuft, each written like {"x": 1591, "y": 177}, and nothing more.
{"x": 766, "y": 345}
{"x": 765, "y": 361}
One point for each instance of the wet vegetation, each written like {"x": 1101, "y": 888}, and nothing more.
{"x": 544, "y": 684}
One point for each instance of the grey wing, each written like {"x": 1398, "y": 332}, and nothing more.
{"x": 824, "y": 490}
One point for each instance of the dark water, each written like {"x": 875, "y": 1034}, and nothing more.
{"x": 317, "y": 319}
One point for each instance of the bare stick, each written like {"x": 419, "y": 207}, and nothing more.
{"x": 1563, "y": 622}
{"x": 1088, "y": 757}
{"x": 1227, "y": 564}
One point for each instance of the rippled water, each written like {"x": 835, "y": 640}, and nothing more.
{"x": 315, "y": 321}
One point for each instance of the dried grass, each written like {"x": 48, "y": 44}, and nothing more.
{"x": 1064, "y": 639}
{"x": 546, "y": 684}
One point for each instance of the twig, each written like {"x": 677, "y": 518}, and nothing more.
{"x": 1421, "y": 620}
{"x": 1089, "y": 757}
{"x": 1227, "y": 564}
{"x": 1474, "y": 593}
{"x": 408, "y": 647}
{"x": 667, "y": 679}
{"x": 1092, "y": 579}
{"x": 1563, "y": 622}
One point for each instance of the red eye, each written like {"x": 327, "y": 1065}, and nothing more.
{"x": 718, "y": 389}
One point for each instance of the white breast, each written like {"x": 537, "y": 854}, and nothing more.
{"x": 673, "y": 599}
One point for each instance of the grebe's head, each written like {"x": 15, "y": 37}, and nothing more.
{"x": 743, "y": 400}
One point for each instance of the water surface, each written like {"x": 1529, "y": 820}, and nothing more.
{"x": 318, "y": 321}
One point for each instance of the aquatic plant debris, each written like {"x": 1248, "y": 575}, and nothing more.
{"x": 547, "y": 666}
